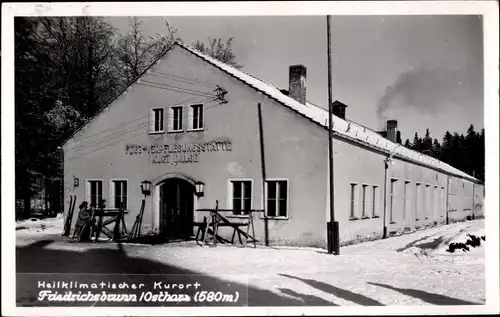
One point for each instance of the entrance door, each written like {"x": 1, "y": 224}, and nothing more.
{"x": 176, "y": 209}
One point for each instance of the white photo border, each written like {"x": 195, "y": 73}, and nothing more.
{"x": 489, "y": 11}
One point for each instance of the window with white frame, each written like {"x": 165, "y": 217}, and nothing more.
{"x": 119, "y": 193}
{"x": 175, "y": 119}
{"x": 364, "y": 201}
{"x": 353, "y": 200}
{"x": 277, "y": 198}
{"x": 427, "y": 200}
{"x": 157, "y": 120}
{"x": 418, "y": 202}
{"x": 241, "y": 198}
{"x": 435, "y": 207}
{"x": 393, "y": 199}
{"x": 374, "y": 200}
{"x": 406, "y": 204}
{"x": 196, "y": 117}
{"x": 95, "y": 192}
{"x": 443, "y": 201}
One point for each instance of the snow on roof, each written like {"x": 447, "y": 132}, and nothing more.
{"x": 342, "y": 128}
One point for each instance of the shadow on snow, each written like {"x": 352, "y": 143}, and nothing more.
{"x": 37, "y": 261}
{"x": 431, "y": 298}
{"x": 338, "y": 292}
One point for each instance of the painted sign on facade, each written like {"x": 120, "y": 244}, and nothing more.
{"x": 177, "y": 153}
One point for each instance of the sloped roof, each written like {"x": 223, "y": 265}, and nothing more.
{"x": 341, "y": 128}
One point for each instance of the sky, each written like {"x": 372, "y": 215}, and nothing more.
{"x": 424, "y": 71}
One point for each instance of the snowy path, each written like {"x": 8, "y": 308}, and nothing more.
{"x": 412, "y": 269}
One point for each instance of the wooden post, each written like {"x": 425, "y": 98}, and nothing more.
{"x": 141, "y": 214}
{"x": 248, "y": 227}
{"x": 386, "y": 166}
{"x": 214, "y": 222}
{"x": 118, "y": 222}
{"x": 263, "y": 171}
{"x": 99, "y": 222}
{"x": 205, "y": 232}
{"x": 69, "y": 215}
{"x": 253, "y": 230}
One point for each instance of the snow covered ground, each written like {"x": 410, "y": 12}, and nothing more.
{"x": 412, "y": 269}
{"x": 39, "y": 227}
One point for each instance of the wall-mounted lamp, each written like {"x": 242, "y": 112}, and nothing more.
{"x": 146, "y": 188}
{"x": 199, "y": 189}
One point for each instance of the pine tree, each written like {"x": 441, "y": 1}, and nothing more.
{"x": 417, "y": 142}
{"x": 426, "y": 147}
{"x": 480, "y": 163}
{"x": 465, "y": 153}
{"x": 471, "y": 150}
{"x": 29, "y": 96}
{"x": 436, "y": 149}
{"x": 408, "y": 144}
{"x": 446, "y": 148}
{"x": 459, "y": 153}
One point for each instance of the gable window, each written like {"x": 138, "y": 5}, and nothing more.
{"x": 241, "y": 197}
{"x": 157, "y": 117}
{"x": 196, "y": 117}
{"x": 175, "y": 119}
{"x": 119, "y": 193}
{"x": 95, "y": 192}
{"x": 277, "y": 198}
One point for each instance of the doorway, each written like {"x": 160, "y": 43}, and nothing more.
{"x": 176, "y": 209}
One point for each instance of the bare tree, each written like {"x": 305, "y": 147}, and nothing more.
{"x": 217, "y": 49}
{"x": 136, "y": 51}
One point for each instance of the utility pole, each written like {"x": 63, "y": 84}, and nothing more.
{"x": 332, "y": 225}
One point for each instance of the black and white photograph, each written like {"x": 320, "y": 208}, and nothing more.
{"x": 263, "y": 158}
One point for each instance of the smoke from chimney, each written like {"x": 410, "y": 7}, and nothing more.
{"x": 430, "y": 91}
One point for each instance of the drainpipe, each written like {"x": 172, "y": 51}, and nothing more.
{"x": 386, "y": 164}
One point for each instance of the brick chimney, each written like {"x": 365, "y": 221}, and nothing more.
{"x": 297, "y": 83}
{"x": 392, "y": 130}
{"x": 339, "y": 109}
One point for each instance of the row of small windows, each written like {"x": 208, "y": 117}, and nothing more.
{"x": 240, "y": 196}
{"x": 118, "y": 193}
{"x": 276, "y": 193}
{"x": 175, "y": 118}
{"x": 370, "y": 197}
{"x": 367, "y": 206}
